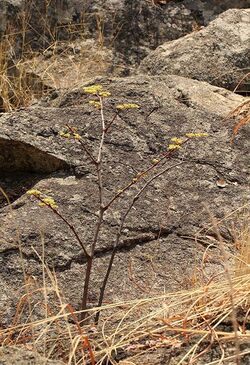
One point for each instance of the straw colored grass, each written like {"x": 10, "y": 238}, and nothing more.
{"x": 136, "y": 327}
{"x": 190, "y": 322}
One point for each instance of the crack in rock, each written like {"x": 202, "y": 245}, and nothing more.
{"x": 20, "y": 156}
{"x": 22, "y": 166}
{"x": 127, "y": 244}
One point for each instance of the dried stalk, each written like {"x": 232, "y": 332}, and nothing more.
{"x": 116, "y": 243}
{"x": 229, "y": 279}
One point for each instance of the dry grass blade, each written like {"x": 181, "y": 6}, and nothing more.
{"x": 243, "y": 243}
{"x": 242, "y": 113}
{"x": 166, "y": 321}
{"x": 246, "y": 76}
{"x": 241, "y": 123}
{"x": 198, "y": 317}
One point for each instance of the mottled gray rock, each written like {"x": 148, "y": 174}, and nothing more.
{"x": 131, "y": 28}
{"x": 18, "y": 356}
{"x": 218, "y": 54}
{"x": 205, "y": 11}
{"x": 8, "y": 10}
{"x": 162, "y": 225}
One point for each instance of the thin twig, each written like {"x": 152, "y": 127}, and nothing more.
{"x": 89, "y": 268}
{"x": 110, "y": 124}
{"x": 240, "y": 82}
{"x": 116, "y": 243}
{"x": 65, "y": 220}
{"x": 89, "y": 154}
{"x": 166, "y": 155}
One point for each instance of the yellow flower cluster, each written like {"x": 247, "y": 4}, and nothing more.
{"x": 65, "y": 134}
{"x": 93, "y": 89}
{"x": 34, "y": 192}
{"x": 95, "y": 103}
{"x": 76, "y": 136}
{"x": 96, "y": 90}
{"x": 172, "y": 147}
{"x": 49, "y": 202}
{"x": 104, "y": 93}
{"x": 127, "y": 106}
{"x": 68, "y": 134}
{"x": 176, "y": 140}
{"x": 196, "y": 135}
{"x": 176, "y": 144}
{"x": 155, "y": 161}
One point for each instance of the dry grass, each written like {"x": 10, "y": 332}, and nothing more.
{"x": 20, "y": 86}
{"x": 70, "y": 64}
{"x": 243, "y": 245}
{"x": 27, "y": 75}
{"x": 189, "y": 325}
{"x": 15, "y": 89}
{"x": 195, "y": 317}
{"x": 242, "y": 116}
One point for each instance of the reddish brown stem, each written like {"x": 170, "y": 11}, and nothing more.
{"x": 92, "y": 159}
{"x": 71, "y": 227}
{"x": 136, "y": 197}
{"x": 100, "y": 220}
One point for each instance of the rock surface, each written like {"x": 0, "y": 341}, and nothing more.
{"x": 130, "y": 28}
{"x": 168, "y": 230}
{"x": 218, "y": 54}
{"x": 206, "y": 11}
{"x": 17, "y": 356}
{"x": 162, "y": 225}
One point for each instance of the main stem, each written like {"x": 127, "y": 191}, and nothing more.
{"x": 116, "y": 243}
{"x": 102, "y": 209}
{"x": 90, "y": 260}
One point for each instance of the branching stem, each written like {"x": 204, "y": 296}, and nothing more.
{"x": 119, "y": 233}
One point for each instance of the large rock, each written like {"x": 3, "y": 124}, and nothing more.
{"x": 205, "y": 11}
{"x": 131, "y": 28}
{"x": 160, "y": 229}
{"x": 218, "y": 54}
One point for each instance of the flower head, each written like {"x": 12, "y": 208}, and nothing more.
{"x": 177, "y": 140}
{"x": 96, "y": 90}
{"x": 70, "y": 133}
{"x": 49, "y": 202}
{"x": 34, "y": 192}
{"x": 93, "y": 89}
{"x": 64, "y": 134}
{"x": 95, "y": 103}
{"x": 196, "y": 135}
{"x": 172, "y": 147}
{"x": 76, "y": 136}
{"x": 104, "y": 93}
{"x": 127, "y": 106}
{"x": 155, "y": 161}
